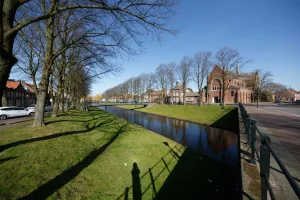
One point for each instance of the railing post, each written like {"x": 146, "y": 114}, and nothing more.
{"x": 264, "y": 165}
{"x": 253, "y": 141}
{"x": 248, "y": 131}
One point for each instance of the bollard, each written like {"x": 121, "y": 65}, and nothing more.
{"x": 253, "y": 141}
{"x": 264, "y": 165}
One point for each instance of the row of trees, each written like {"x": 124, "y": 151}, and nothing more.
{"x": 164, "y": 78}
{"x": 196, "y": 69}
{"x": 63, "y": 45}
{"x": 190, "y": 69}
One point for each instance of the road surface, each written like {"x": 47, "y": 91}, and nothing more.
{"x": 13, "y": 121}
{"x": 282, "y": 123}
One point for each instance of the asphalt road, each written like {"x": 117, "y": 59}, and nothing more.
{"x": 13, "y": 121}
{"x": 282, "y": 124}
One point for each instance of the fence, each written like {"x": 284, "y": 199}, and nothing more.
{"x": 264, "y": 158}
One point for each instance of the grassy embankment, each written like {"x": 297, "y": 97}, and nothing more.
{"x": 210, "y": 115}
{"x": 82, "y": 155}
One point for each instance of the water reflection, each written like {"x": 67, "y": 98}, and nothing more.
{"x": 218, "y": 144}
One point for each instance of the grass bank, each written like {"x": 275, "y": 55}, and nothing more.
{"x": 210, "y": 115}
{"x": 83, "y": 155}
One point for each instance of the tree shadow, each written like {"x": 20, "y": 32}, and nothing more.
{"x": 144, "y": 106}
{"x": 75, "y": 120}
{"x": 192, "y": 177}
{"x": 65, "y": 177}
{"x": 2, "y": 160}
{"x": 228, "y": 121}
{"x": 87, "y": 129}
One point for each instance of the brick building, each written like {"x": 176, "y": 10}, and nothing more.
{"x": 15, "y": 93}
{"x": 289, "y": 95}
{"x": 239, "y": 88}
{"x": 176, "y": 93}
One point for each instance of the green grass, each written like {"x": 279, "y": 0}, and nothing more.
{"x": 209, "y": 115}
{"x": 130, "y": 106}
{"x": 81, "y": 155}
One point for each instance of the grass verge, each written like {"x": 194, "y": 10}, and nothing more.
{"x": 82, "y": 155}
{"x": 216, "y": 116}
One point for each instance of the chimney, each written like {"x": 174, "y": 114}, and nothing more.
{"x": 177, "y": 84}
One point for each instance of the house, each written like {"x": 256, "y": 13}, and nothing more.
{"x": 192, "y": 97}
{"x": 239, "y": 87}
{"x": 289, "y": 95}
{"x": 155, "y": 96}
{"x": 176, "y": 93}
{"x": 20, "y": 93}
{"x": 30, "y": 93}
{"x": 15, "y": 94}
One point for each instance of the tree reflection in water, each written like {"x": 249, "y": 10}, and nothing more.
{"x": 218, "y": 144}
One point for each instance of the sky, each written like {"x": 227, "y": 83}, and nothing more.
{"x": 266, "y": 31}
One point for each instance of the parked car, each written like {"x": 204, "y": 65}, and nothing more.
{"x": 31, "y": 108}
{"x": 13, "y": 111}
{"x": 297, "y": 101}
{"x": 278, "y": 101}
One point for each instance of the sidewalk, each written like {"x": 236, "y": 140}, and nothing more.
{"x": 284, "y": 131}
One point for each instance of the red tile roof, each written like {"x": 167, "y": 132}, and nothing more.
{"x": 29, "y": 87}
{"x": 12, "y": 84}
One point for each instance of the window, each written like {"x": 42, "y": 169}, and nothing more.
{"x": 216, "y": 87}
{"x": 6, "y": 109}
{"x": 232, "y": 93}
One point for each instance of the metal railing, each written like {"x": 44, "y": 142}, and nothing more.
{"x": 264, "y": 157}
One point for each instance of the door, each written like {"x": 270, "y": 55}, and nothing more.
{"x": 8, "y": 112}
{"x": 20, "y": 111}
{"x": 216, "y": 100}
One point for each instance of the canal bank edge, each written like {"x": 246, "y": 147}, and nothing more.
{"x": 249, "y": 172}
{"x": 231, "y": 125}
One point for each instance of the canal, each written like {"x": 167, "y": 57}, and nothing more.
{"x": 217, "y": 149}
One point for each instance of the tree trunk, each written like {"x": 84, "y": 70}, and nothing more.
{"x": 184, "y": 95}
{"x": 44, "y": 83}
{"x": 200, "y": 98}
{"x": 223, "y": 93}
{"x": 4, "y": 99}
{"x": 6, "y": 63}
{"x": 7, "y": 60}
{"x": 56, "y": 102}
{"x": 62, "y": 102}
{"x": 77, "y": 104}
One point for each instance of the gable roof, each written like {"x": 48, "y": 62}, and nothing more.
{"x": 28, "y": 86}
{"x": 12, "y": 84}
{"x": 192, "y": 94}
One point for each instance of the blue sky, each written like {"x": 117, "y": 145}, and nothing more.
{"x": 266, "y": 31}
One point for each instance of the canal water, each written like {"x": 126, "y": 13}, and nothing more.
{"x": 219, "y": 146}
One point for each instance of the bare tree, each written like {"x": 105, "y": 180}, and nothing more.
{"x": 228, "y": 59}
{"x": 262, "y": 79}
{"x": 171, "y": 76}
{"x": 200, "y": 68}
{"x": 184, "y": 74}
{"x": 161, "y": 77}
{"x": 132, "y": 18}
{"x": 150, "y": 84}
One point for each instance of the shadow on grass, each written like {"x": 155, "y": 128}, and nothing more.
{"x": 65, "y": 177}
{"x": 144, "y": 106}
{"x": 192, "y": 177}
{"x": 229, "y": 121}
{"x": 2, "y": 160}
{"x": 93, "y": 124}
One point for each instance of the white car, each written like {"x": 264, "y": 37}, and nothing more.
{"x": 31, "y": 108}
{"x": 13, "y": 111}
